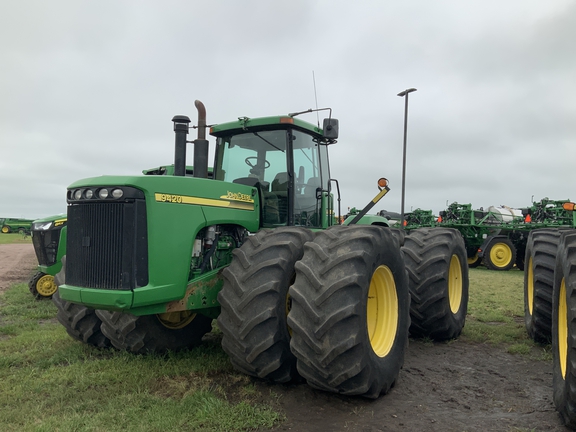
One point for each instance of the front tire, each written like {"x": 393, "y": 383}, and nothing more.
{"x": 350, "y": 311}
{"x": 564, "y": 330}
{"x": 255, "y": 303}
{"x": 42, "y": 286}
{"x": 80, "y": 322}
{"x": 154, "y": 333}
{"x": 541, "y": 251}
{"x": 438, "y": 278}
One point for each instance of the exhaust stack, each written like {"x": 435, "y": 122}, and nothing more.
{"x": 181, "y": 126}
{"x": 201, "y": 144}
{"x": 180, "y": 130}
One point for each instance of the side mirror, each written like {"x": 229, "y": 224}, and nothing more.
{"x": 330, "y": 128}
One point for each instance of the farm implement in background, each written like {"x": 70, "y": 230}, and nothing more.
{"x": 497, "y": 237}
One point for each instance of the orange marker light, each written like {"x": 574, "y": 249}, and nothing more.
{"x": 568, "y": 206}
{"x": 383, "y": 182}
{"x": 289, "y": 120}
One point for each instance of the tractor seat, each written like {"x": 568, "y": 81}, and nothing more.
{"x": 269, "y": 200}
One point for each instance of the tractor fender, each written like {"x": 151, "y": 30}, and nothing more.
{"x": 487, "y": 242}
{"x": 369, "y": 219}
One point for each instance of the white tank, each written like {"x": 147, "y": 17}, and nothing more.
{"x": 506, "y": 213}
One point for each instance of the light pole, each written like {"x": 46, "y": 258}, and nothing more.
{"x": 402, "y": 94}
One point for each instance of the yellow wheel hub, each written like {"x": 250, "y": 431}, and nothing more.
{"x": 382, "y": 311}
{"x": 562, "y": 329}
{"x": 455, "y": 284}
{"x": 45, "y": 286}
{"x": 176, "y": 320}
{"x": 500, "y": 255}
{"x": 530, "y": 287}
{"x": 5, "y": 230}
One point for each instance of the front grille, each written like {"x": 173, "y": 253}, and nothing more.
{"x": 46, "y": 245}
{"x": 107, "y": 245}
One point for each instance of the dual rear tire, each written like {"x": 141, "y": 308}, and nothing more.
{"x": 437, "y": 266}
{"x": 254, "y": 303}
{"x": 541, "y": 251}
{"x": 335, "y": 308}
{"x": 350, "y": 311}
{"x": 564, "y": 329}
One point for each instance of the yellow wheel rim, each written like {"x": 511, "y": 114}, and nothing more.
{"x": 45, "y": 286}
{"x": 455, "y": 284}
{"x": 176, "y": 320}
{"x": 5, "y": 230}
{"x": 382, "y": 311}
{"x": 500, "y": 255}
{"x": 562, "y": 329}
{"x": 473, "y": 259}
{"x": 530, "y": 287}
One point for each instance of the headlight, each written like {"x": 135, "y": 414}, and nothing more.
{"x": 77, "y": 194}
{"x": 117, "y": 193}
{"x": 41, "y": 226}
{"x": 89, "y": 193}
{"x": 103, "y": 193}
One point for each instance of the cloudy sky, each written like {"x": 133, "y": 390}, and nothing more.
{"x": 89, "y": 88}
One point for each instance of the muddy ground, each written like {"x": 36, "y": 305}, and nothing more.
{"x": 454, "y": 386}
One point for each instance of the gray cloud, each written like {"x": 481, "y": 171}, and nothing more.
{"x": 89, "y": 89}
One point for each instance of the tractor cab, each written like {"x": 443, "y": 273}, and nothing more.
{"x": 286, "y": 160}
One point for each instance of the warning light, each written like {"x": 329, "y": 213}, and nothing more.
{"x": 569, "y": 206}
{"x": 383, "y": 182}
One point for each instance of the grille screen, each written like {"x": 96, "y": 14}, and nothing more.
{"x": 107, "y": 245}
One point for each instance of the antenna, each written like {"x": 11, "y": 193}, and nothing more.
{"x": 316, "y": 98}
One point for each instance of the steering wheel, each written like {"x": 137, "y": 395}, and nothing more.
{"x": 251, "y": 165}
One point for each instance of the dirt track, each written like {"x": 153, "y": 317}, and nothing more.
{"x": 448, "y": 387}
{"x": 17, "y": 264}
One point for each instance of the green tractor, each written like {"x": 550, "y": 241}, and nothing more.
{"x": 152, "y": 260}
{"x": 49, "y": 240}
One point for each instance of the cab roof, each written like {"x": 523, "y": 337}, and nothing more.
{"x": 262, "y": 123}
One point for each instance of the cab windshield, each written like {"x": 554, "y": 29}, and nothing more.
{"x": 266, "y": 160}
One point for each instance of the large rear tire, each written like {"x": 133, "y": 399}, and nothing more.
{"x": 42, "y": 286}
{"x": 255, "y": 303}
{"x": 438, "y": 278}
{"x": 500, "y": 255}
{"x": 541, "y": 251}
{"x": 80, "y": 322}
{"x": 158, "y": 333}
{"x": 350, "y": 311}
{"x": 564, "y": 330}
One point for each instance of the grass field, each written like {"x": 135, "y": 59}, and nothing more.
{"x": 14, "y": 238}
{"x": 49, "y": 382}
